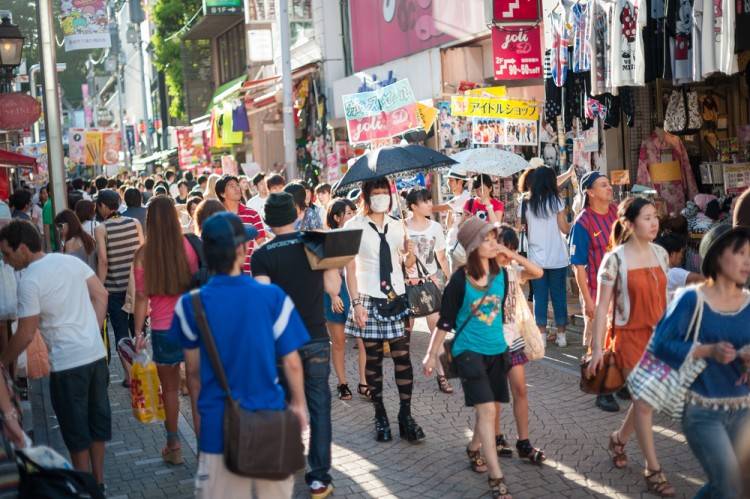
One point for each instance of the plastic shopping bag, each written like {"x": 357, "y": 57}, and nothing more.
{"x": 146, "y": 396}
{"x": 8, "y": 294}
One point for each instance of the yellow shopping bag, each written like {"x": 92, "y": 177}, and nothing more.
{"x": 145, "y": 392}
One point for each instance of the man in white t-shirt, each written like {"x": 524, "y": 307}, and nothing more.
{"x": 455, "y": 209}
{"x": 62, "y": 297}
{"x": 258, "y": 202}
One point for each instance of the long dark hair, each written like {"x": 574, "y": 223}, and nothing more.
{"x": 543, "y": 192}
{"x": 164, "y": 259}
{"x": 75, "y": 229}
{"x": 337, "y": 209}
{"x": 627, "y": 211}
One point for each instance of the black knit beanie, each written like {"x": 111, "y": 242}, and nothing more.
{"x": 280, "y": 209}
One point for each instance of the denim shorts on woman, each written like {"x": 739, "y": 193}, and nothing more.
{"x": 332, "y": 316}
{"x": 484, "y": 378}
{"x": 167, "y": 351}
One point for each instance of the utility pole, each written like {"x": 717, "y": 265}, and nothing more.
{"x": 290, "y": 146}
{"x": 47, "y": 47}
{"x": 137, "y": 16}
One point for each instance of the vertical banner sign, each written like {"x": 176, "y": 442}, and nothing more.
{"x": 383, "y": 113}
{"x": 185, "y": 147}
{"x": 93, "y": 140}
{"x": 76, "y": 144}
{"x": 111, "y": 146}
{"x": 515, "y": 10}
{"x": 517, "y": 52}
{"x": 85, "y": 24}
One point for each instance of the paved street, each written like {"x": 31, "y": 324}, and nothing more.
{"x": 563, "y": 422}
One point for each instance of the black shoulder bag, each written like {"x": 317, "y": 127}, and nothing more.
{"x": 257, "y": 444}
{"x": 394, "y": 307}
{"x": 424, "y": 296}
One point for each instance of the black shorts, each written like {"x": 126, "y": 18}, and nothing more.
{"x": 484, "y": 378}
{"x": 81, "y": 403}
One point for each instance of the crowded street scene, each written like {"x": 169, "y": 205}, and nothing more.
{"x": 374, "y": 249}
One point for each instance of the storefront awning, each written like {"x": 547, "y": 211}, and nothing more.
{"x": 262, "y": 93}
{"x": 212, "y": 26}
{"x": 14, "y": 160}
{"x": 226, "y": 91}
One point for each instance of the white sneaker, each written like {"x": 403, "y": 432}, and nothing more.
{"x": 561, "y": 341}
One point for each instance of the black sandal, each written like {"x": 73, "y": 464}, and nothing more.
{"x": 476, "y": 461}
{"x": 364, "y": 391}
{"x": 503, "y": 449}
{"x": 344, "y": 392}
{"x": 527, "y": 451}
{"x": 498, "y": 488}
{"x": 443, "y": 384}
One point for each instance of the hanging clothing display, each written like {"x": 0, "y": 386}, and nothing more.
{"x": 681, "y": 32}
{"x": 715, "y": 21}
{"x": 559, "y": 55}
{"x": 580, "y": 14}
{"x": 742, "y": 26}
{"x": 663, "y": 162}
{"x": 628, "y": 66}
{"x": 600, "y": 62}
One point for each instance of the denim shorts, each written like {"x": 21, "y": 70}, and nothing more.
{"x": 332, "y": 316}
{"x": 167, "y": 351}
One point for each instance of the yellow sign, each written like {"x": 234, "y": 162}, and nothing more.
{"x": 668, "y": 171}
{"x": 482, "y": 107}
{"x": 620, "y": 177}
{"x": 487, "y": 92}
{"x": 93, "y": 141}
{"x": 427, "y": 114}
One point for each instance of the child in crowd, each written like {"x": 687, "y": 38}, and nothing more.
{"x": 677, "y": 277}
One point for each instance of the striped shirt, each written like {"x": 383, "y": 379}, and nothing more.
{"x": 589, "y": 238}
{"x": 122, "y": 241}
{"x": 251, "y": 217}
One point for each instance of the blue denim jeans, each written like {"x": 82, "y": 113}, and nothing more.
{"x": 316, "y": 364}
{"x": 121, "y": 321}
{"x": 710, "y": 434}
{"x": 552, "y": 283}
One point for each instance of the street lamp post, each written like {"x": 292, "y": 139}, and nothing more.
{"x": 11, "y": 43}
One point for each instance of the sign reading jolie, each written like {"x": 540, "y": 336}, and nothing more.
{"x": 18, "y": 111}
{"x": 517, "y": 52}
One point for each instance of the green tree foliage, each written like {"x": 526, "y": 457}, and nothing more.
{"x": 169, "y": 17}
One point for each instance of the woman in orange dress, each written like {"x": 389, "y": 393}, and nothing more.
{"x": 633, "y": 280}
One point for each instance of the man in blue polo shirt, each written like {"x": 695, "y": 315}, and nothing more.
{"x": 252, "y": 324}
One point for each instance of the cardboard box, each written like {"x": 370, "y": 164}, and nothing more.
{"x": 331, "y": 249}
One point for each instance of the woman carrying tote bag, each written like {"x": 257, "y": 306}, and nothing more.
{"x": 717, "y": 408}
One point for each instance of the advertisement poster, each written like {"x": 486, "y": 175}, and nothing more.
{"x": 482, "y": 107}
{"x": 521, "y": 133}
{"x": 76, "y": 144}
{"x": 381, "y": 114}
{"x": 515, "y": 10}
{"x": 191, "y": 149}
{"x": 93, "y": 147}
{"x": 84, "y": 24}
{"x": 517, "y": 52}
{"x": 111, "y": 147}
{"x": 488, "y": 131}
{"x": 454, "y": 132}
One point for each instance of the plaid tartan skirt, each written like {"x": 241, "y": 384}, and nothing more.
{"x": 374, "y": 329}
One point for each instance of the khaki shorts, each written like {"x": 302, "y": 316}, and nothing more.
{"x": 214, "y": 481}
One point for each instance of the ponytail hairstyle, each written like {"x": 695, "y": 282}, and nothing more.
{"x": 508, "y": 237}
{"x": 627, "y": 211}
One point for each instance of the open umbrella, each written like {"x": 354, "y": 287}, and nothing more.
{"x": 490, "y": 161}
{"x": 393, "y": 161}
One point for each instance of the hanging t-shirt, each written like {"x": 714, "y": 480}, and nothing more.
{"x": 560, "y": 42}
{"x": 600, "y": 45}
{"x": 427, "y": 243}
{"x": 716, "y": 18}
{"x": 742, "y": 26}
{"x": 681, "y": 43}
{"x": 628, "y": 66}
{"x": 476, "y": 208}
{"x": 579, "y": 19}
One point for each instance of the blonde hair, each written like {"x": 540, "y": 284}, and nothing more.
{"x": 210, "y": 192}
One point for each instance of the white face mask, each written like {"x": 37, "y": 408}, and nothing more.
{"x": 379, "y": 203}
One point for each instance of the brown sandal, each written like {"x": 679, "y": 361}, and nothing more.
{"x": 658, "y": 484}
{"x": 476, "y": 461}
{"x": 443, "y": 384}
{"x": 498, "y": 488}
{"x": 172, "y": 456}
{"x": 617, "y": 448}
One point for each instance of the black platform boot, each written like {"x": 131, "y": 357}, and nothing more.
{"x": 407, "y": 427}
{"x": 382, "y": 425}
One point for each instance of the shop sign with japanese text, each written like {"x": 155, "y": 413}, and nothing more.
{"x": 480, "y": 107}
{"x": 222, "y": 7}
{"x": 517, "y": 52}
{"x": 382, "y": 113}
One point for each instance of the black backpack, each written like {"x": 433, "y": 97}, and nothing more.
{"x": 201, "y": 277}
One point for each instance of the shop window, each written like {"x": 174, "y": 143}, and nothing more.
{"x": 300, "y": 16}
{"x": 231, "y": 49}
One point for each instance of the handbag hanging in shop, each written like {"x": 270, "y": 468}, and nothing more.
{"x": 257, "y": 444}
{"x": 683, "y": 115}
{"x": 663, "y": 388}
{"x": 424, "y": 296}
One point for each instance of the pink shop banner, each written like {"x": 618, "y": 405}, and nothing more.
{"x": 383, "y": 31}
{"x": 383, "y": 125}
{"x": 517, "y": 52}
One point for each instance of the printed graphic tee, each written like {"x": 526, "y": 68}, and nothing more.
{"x": 628, "y": 65}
